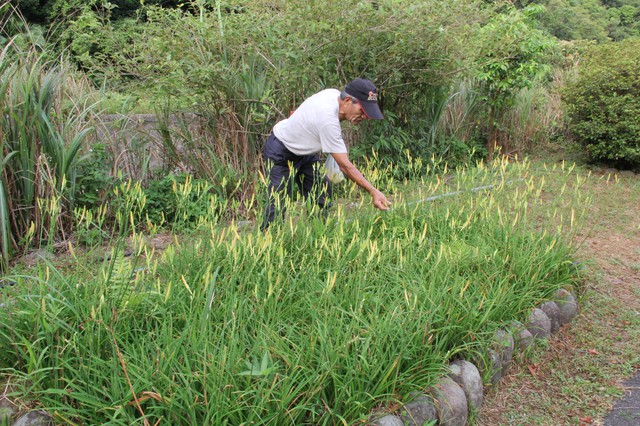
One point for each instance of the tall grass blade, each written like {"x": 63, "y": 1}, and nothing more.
{"x": 5, "y": 227}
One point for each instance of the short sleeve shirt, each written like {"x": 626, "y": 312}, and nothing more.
{"x": 314, "y": 127}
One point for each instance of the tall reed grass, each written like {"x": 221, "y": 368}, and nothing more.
{"x": 43, "y": 129}
{"x": 534, "y": 119}
{"x": 313, "y": 322}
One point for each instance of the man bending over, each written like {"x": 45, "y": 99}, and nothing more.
{"x": 313, "y": 128}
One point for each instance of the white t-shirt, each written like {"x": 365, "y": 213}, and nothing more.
{"x": 314, "y": 126}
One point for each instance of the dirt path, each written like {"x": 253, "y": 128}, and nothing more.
{"x": 580, "y": 375}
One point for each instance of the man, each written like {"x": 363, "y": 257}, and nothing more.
{"x": 313, "y": 128}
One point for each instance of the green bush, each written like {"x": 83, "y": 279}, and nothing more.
{"x": 94, "y": 179}
{"x": 603, "y": 104}
{"x": 220, "y": 61}
{"x": 244, "y": 76}
{"x": 180, "y": 201}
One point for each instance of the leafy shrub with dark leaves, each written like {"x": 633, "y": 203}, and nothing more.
{"x": 603, "y": 104}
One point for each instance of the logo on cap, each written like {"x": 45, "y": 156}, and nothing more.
{"x": 373, "y": 96}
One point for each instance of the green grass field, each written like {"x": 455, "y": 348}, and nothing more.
{"x": 313, "y": 322}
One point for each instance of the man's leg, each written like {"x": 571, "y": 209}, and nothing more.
{"x": 279, "y": 185}
{"x": 313, "y": 184}
{"x": 277, "y": 159}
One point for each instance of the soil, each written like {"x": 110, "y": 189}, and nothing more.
{"x": 156, "y": 243}
{"x": 579, "y": 378}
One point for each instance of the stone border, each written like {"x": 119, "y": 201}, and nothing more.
{"x": 461, "y": 392}
{"x": 32, "y": 418}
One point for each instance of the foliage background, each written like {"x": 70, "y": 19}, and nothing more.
{"x": 457, "y": 81}
{"x": 603, "y": 103}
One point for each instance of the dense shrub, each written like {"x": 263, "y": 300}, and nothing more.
{"x": 603, "y": 103}
{"x": 179, "y": 201}
{"x": 244, "y": 75}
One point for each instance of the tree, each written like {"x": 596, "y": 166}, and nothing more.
{"x": 583, "y": 19}
{"x": 514, "y": 54}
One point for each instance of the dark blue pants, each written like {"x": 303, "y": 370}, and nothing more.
{"x": 306, "y": 171}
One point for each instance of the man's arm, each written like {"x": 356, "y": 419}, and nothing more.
{"x": 352, "y": 172}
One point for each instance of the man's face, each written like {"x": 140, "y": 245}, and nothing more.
{"x": 353, "y": 111}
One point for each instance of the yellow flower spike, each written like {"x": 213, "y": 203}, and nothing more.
{"x": 331, "y": 282}
{"x": 553, "y": 243}
{"x": 30, "y": 233}
{"x": 411, "y": 300}
{"x": 167, "y": 294}
{"x": 464, "y": 289}
{"x": 80, "y": 215}
{"x": 373, "y": 248}
{"x": 184, "y": 282}
{"x": 467, "y": 222}
{"x": 515, "y": 220}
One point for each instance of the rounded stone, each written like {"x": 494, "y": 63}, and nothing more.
{"x": 567, "y": 306}
{"x": 522, "y": 337}
{"x": 467, "y": 376}
{"x": 419, "y": 411}
{"x": 7, "y": 410}
{"x": 539, "y": 324}
{"x": 504, "y": 345}
{"x": 553, "y": 312}
{"x": 34, "y": 418}
{"x": 451, "y": 403}
{"x": 579, "y": 266}
{"x": 5, "y": 415}
{"x": 388, "y": 420}
{"x": 490, "y": 366}
{"x": 6, "y": 403}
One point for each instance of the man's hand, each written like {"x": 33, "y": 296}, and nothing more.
{"x": 380, "y": 201}
{"x": 350, "y": 171}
